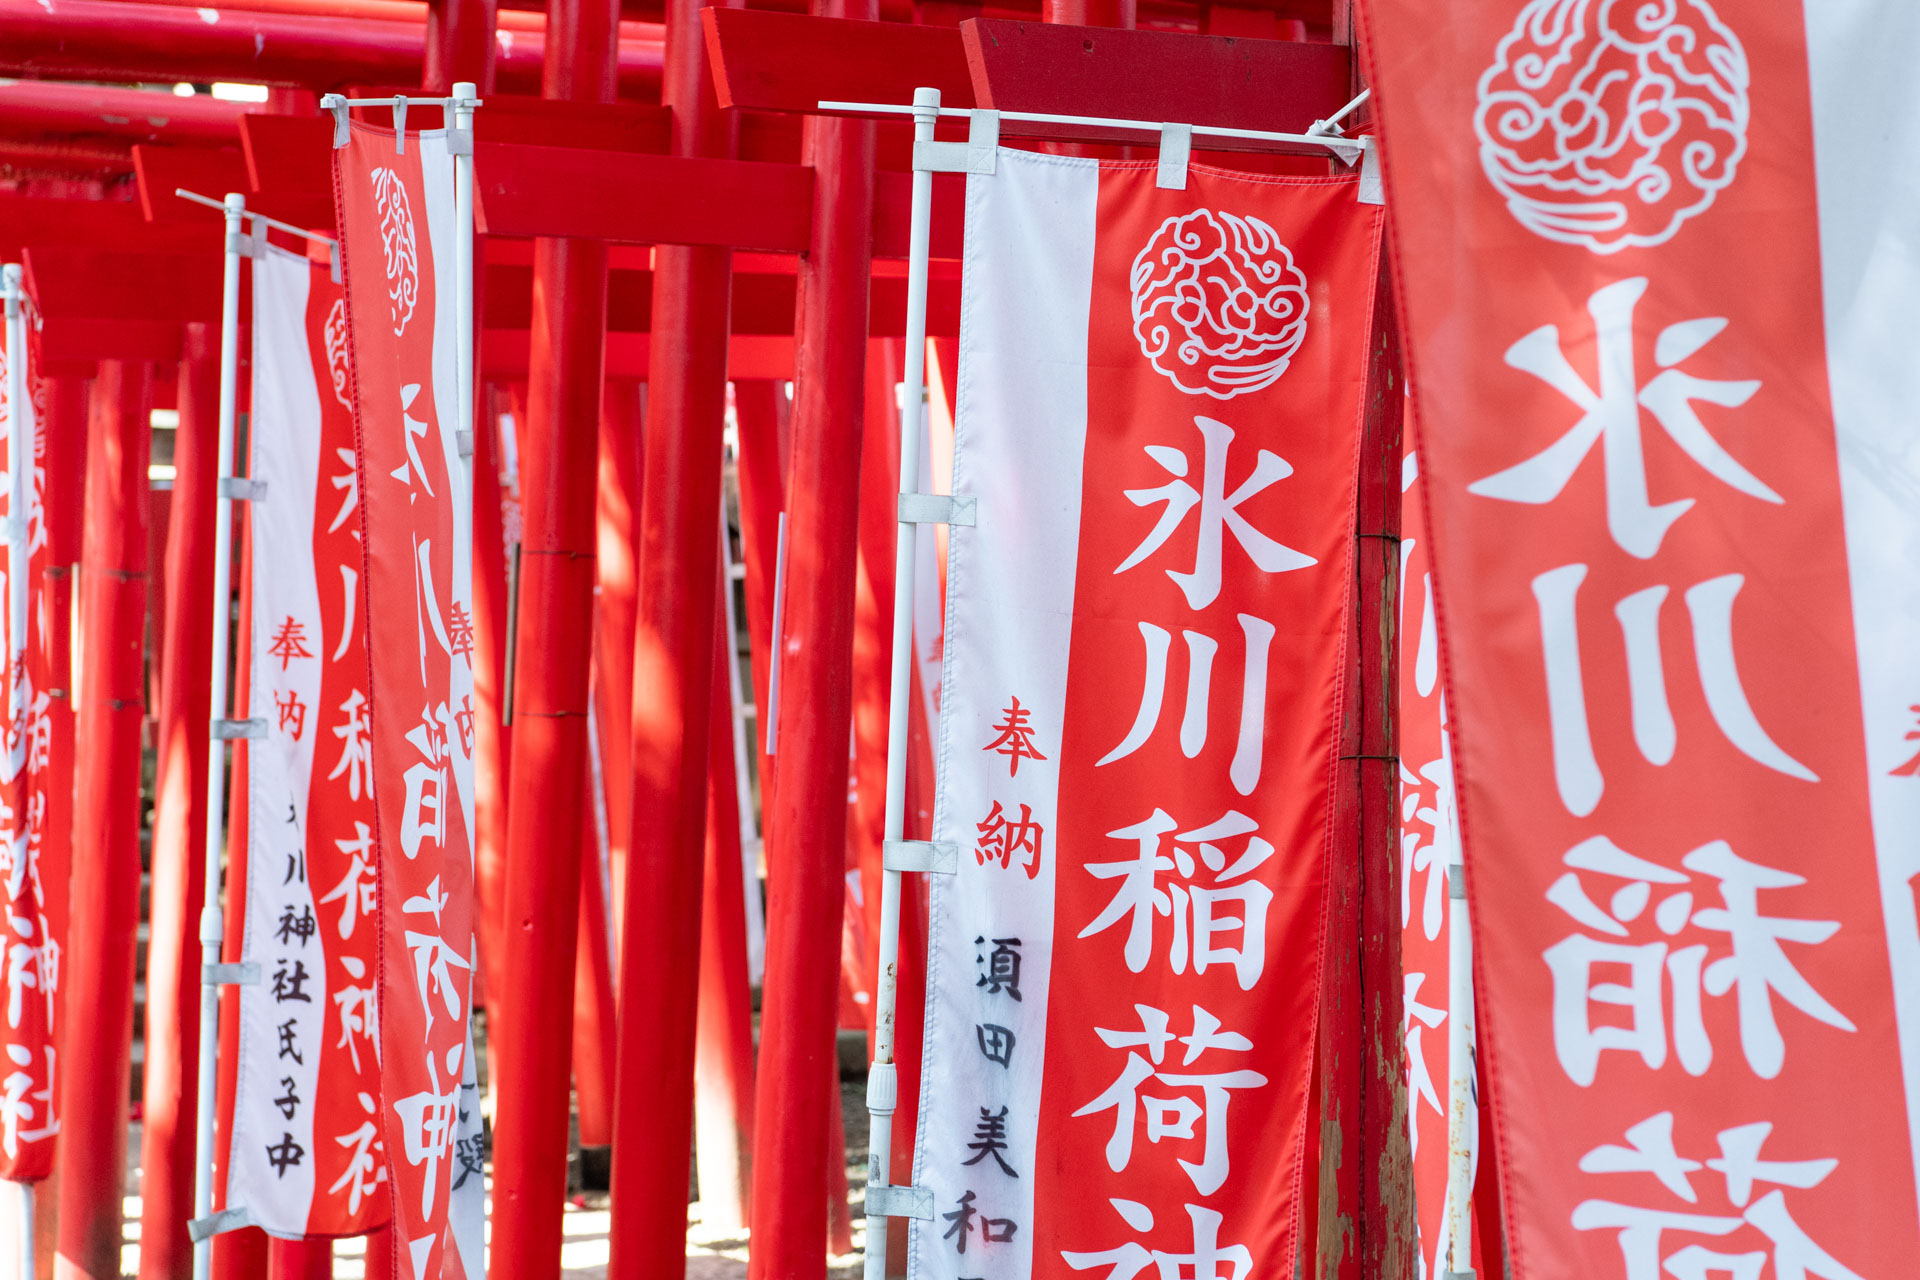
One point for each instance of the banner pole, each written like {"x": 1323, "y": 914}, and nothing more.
{"x": 1463, "y": 1125}
{"x": 212, "y": 920}
{"x": 19, "y": 491}
{"x": 464, "y": 101}
{"x": 882, "y": 1083}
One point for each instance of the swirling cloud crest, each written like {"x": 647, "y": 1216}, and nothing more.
{"x": 1609, "y": 123}
{"x": 1218, "y": 305}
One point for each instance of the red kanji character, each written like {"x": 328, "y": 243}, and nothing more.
{"x": 460, "y": 630}
{"x": 1002, "y": 836}
{"x": 289, "y": 642}
{"x": 1911, "y": 769}
{"x": 1016, "y": 737}
{"x": 293, "y": 713}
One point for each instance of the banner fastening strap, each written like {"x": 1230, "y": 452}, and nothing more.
{"x": 230, "y": 730}
{"x": 939, "y": 857}
{"x": 900, "y": 1202}
{"x": 1176, "y": 148}
{"x": 243, "y": 489}
{"x": 936, "y": 508}
{"x": 215, "y": 1223}
{"x": 244, "y": 974}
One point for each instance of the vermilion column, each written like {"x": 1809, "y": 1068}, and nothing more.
{"x": 618, "y": 569}
{"x": 593, "y": 1014}
{"x": 492, "y": 740}
{"x": 756, "y": 408}
{"x": 460, "y": 44}
{"x": 672, "y": 707}
{"x": 300, "y": 1260}
{"x": 180, "y": 822}
{"x": 1090, "y": 13}
{"x": 808, "y": 827}
{"x": 723, "y": 1054}
{"x": 545, "y": 832}
{"x": 106, "y": 846}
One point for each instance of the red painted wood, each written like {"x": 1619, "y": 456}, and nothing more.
{"x": 545, "y": 832}
{"x": 1277, "y": 85}
{"x": 673, "y": 669}
{"x": 169, "y": 1093}
{"x": 757, "y": 408}
{"x": 618, "y": 568}
{"x": 138, "y": 115}
{"x": 723, "y": 1045}
{"x": 123, "y": 42}
{"x": 493, "y": 740}
{"x": 593, "y": 1004}
{"x": 160, "y": 171}
{"x": 460, "y": 45}
{"x": 504, "y": 355}
{"x": 807, "y": 826}
{"x": 106, "y": 847}
{"x": 297, "y": 1259}
{"x": 768, "y": 61}
{"x": 56, "y": 224}
{"x": 171, "y": 289}
{"x": 640, "y": 198}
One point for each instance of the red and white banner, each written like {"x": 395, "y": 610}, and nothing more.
{"x": 1159, "y": 409}
{"x": 1657, "y": 268}
{"x": 397, "y": 251}
{"x": 307, "y": 1155}
{"x": 1429, "y": 847}
{"x": 33, "y": 853}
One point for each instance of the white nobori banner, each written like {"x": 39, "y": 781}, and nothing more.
{"x": 307, "y": 1156}
{"x": 1159, "y": 408}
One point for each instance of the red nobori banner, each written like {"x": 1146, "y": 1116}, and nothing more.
{"x": 1429, "y": 846}
{"x": 1674, "y": 522}
{"x": 307, "y": 1156}
{"x": 397, "y": 247}
{"x": 1159, "y": 411}
{"x": 33, "y": 854}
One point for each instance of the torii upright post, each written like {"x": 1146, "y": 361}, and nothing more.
{"x": 673, "y": 669}
{"x": 106, "y": 829}
{"x": 807, "y": 830}
{"x": 545, "y": 816}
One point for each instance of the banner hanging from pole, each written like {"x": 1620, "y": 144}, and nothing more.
{"x": 395, "y": 198}
{"x": 34, "y": 855}
{"x": 1158, "y": 421}
{"x": 307, "y": 1155}
{"x": 1429, "y": 846}
{"x": 1658, "y": 278}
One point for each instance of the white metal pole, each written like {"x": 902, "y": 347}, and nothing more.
{"x": 1463, "y": 1114}
{"x": 882, "y": 1084}
{"x": 19, "y": 494}
{"x": 464, "y": 101}
{"x": 25, "y": 1210}
{"x": 20, "y": 481}
{"x": 212, "y": 925}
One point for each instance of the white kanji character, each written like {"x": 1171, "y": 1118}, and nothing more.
{"x": 1219, "y": 512}
{"x": 1420, "y": 1088}
{"x": 365, "y": 1172}
{"x": 1710, "y": 606}
{"x": 1249, "y": 745}
{"x": 348, "y": 483}
{"x": 356, "y": 746}
{"x": 427, "y": 1124}
{"x": 359, "y": 888}
{"x": 422, "y": 814}
{"x": 1191, "y": 906}
{"x": 433, "y": 959}
{"x": 1173, "y": 1117}
{"x": 1611, "y": 416}
{"x": 1203, "y": 1262}
{"x": 359, "y": 1010}
{"x": 412, "y": 429}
